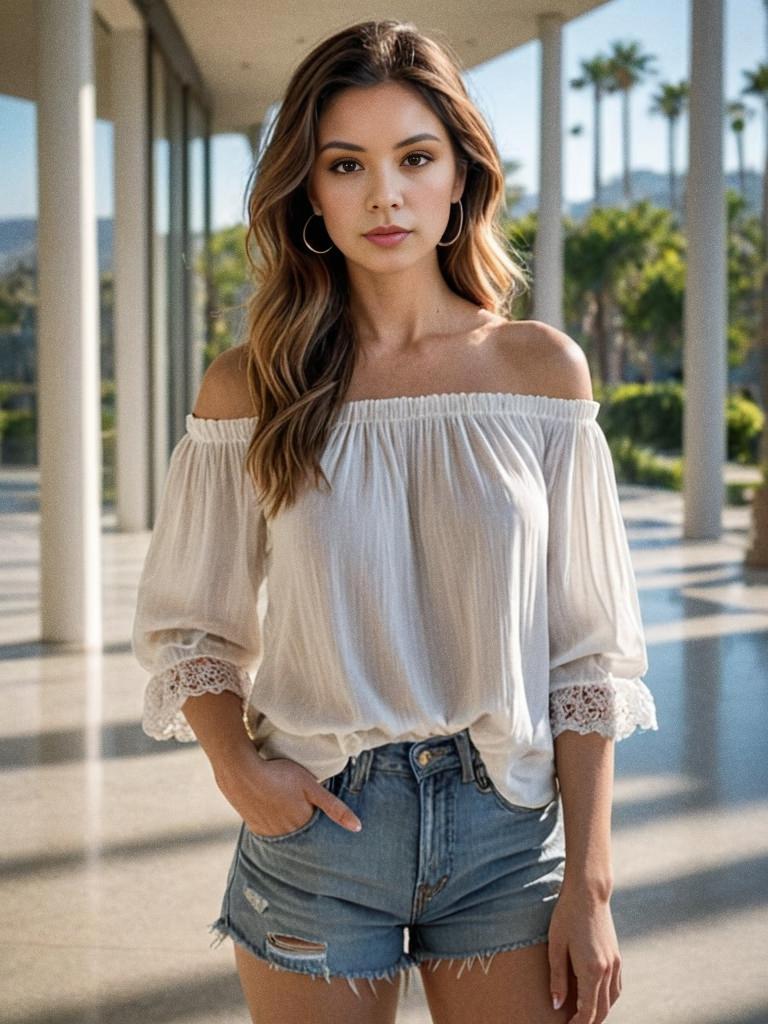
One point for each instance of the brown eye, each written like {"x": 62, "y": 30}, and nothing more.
{"x": 348, "y": 160}
{"x": 425, "y": 156}
{"x": 340, "y": 163}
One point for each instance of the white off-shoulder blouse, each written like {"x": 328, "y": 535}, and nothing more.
{"x": 469, "y": 568}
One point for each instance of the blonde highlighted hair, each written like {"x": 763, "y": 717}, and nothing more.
{"x": 300, "y": 339}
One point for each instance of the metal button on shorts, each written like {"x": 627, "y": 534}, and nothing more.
{"x": 444, "y": 868}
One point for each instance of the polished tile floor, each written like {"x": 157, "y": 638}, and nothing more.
{"x": 115, "y": 847}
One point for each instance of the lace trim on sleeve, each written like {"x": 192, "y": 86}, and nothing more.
{"x": 165, "y": 693}
{"x": 613, "y": 709}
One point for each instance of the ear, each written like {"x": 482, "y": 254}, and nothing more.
{"x": 460, "y": 180}
{"x": 312, "y": 200}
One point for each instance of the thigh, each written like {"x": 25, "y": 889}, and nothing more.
{"x": 287, "y": 997}
{"x": 514, "y": 989}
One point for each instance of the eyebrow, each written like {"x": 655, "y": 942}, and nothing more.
{"x": 338, "y": 144}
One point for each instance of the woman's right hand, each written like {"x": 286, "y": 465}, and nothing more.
{"x": 278, "y": 796}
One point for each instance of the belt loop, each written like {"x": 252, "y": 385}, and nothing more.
{"x": 465, "y": 753}
{"x": 361, "y": 770}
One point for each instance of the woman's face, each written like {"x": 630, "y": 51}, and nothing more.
{"x": 363, "y": 177}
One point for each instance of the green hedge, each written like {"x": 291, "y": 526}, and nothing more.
{"x": 644, "y": 427}
{"x": 652, "y": 415}
{"x": 643, "y": 424}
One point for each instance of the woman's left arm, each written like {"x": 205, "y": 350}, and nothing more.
{"x": 584, "y": 766}
{"x": 597, "y": 658}
{"x": 581, "y": 928}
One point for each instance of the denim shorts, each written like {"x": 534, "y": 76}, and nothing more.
{"x": 443, "y": 868}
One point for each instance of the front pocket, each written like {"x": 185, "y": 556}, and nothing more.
{"x": 486, "y": 785}
{"x": 330, "y": 784}
{"x": 518, "y": 808}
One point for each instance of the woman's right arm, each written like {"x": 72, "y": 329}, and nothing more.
{"x": 264, "y": 793}
{"x": 196, "y": 627}
{"x": 217, "y": 721}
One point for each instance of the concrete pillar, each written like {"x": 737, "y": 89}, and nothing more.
{"x": 253, "y": 133}
{"x": 548, "y": 248}
{"x": 705, "y": 308}
{"x": 69, "y": 414}
{"x": 131, "y": 245}
{"x": 161, "y": 439}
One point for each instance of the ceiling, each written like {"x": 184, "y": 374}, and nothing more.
{"x": 245, "y": 50}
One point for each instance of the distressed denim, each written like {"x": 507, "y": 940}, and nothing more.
{"x": 444, "y": 868}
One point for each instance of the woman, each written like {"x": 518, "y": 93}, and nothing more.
{"x": 449, "y": 592}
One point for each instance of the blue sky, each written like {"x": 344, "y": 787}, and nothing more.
{"x": 506, "y": 91}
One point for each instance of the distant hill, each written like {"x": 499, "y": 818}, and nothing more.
{"x": 648, "y": 185}
{"x": 18, "y": 243}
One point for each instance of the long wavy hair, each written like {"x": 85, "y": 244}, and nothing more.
{"x": 300, "y": 339}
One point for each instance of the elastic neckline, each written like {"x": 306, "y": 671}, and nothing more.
{"x": 201, "y": 429}
{"x": 410, "y": 407}
{"x": 406, "y": 407}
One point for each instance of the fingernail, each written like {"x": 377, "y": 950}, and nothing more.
{"x": 356, "y": 827}
{"x": 557, "y": 1001}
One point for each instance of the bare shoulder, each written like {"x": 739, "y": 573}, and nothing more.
{"x": 546, "y": 359}
{"x": 223, "y": 393}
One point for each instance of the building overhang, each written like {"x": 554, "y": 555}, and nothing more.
{"x": 238, "y": 55}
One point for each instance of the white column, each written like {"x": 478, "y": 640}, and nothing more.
{"x": 705, "y": 364}
{"x": 69, "y": 418}
{"x": 548, "y": 248}
{"x": 130, "y": 261}
{"x": 160, "y": 439}
{"x": 253, "y": 133}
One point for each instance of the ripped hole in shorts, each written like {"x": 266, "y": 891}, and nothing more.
{"x": 291, "y": 944}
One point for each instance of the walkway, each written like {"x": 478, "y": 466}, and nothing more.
{"x": 116, "y": 847}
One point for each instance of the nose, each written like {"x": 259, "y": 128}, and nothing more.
{"x": 384, "y": 194}
{"x": 385, "y": 204}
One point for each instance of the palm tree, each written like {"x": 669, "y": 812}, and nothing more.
{"x": 669, "y": 102}
{"x": 738, "y": 114}
{"x": 757, "y": 85}
{"x": 629, "y": 67}
{"x": 597, "y": 74}
{"x": 757, "y": 554}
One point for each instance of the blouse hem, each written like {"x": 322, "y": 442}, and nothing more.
{"x": 166, "y": 692}
{"x": 614, "y": 708}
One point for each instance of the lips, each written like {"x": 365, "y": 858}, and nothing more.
{"x": 390, "y": 229}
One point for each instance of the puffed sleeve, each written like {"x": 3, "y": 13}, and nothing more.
{"x": 596, "y": 639}
{"x": 195, "y": 626}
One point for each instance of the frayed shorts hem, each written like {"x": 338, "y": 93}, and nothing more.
{"x": 404, "y": 965}
{"x": 435, "y": 959}
{"x": 224, "y": 929}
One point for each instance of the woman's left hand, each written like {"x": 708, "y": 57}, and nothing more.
{"x": 582, "y": 928}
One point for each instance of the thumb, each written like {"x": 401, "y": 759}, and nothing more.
{"x": 558, "y": 974}
{"x": 336, "y": 809}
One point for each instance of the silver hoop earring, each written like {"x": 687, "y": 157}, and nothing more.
{"x": 461, "y": 225}
{"x": 304, "y": 236}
